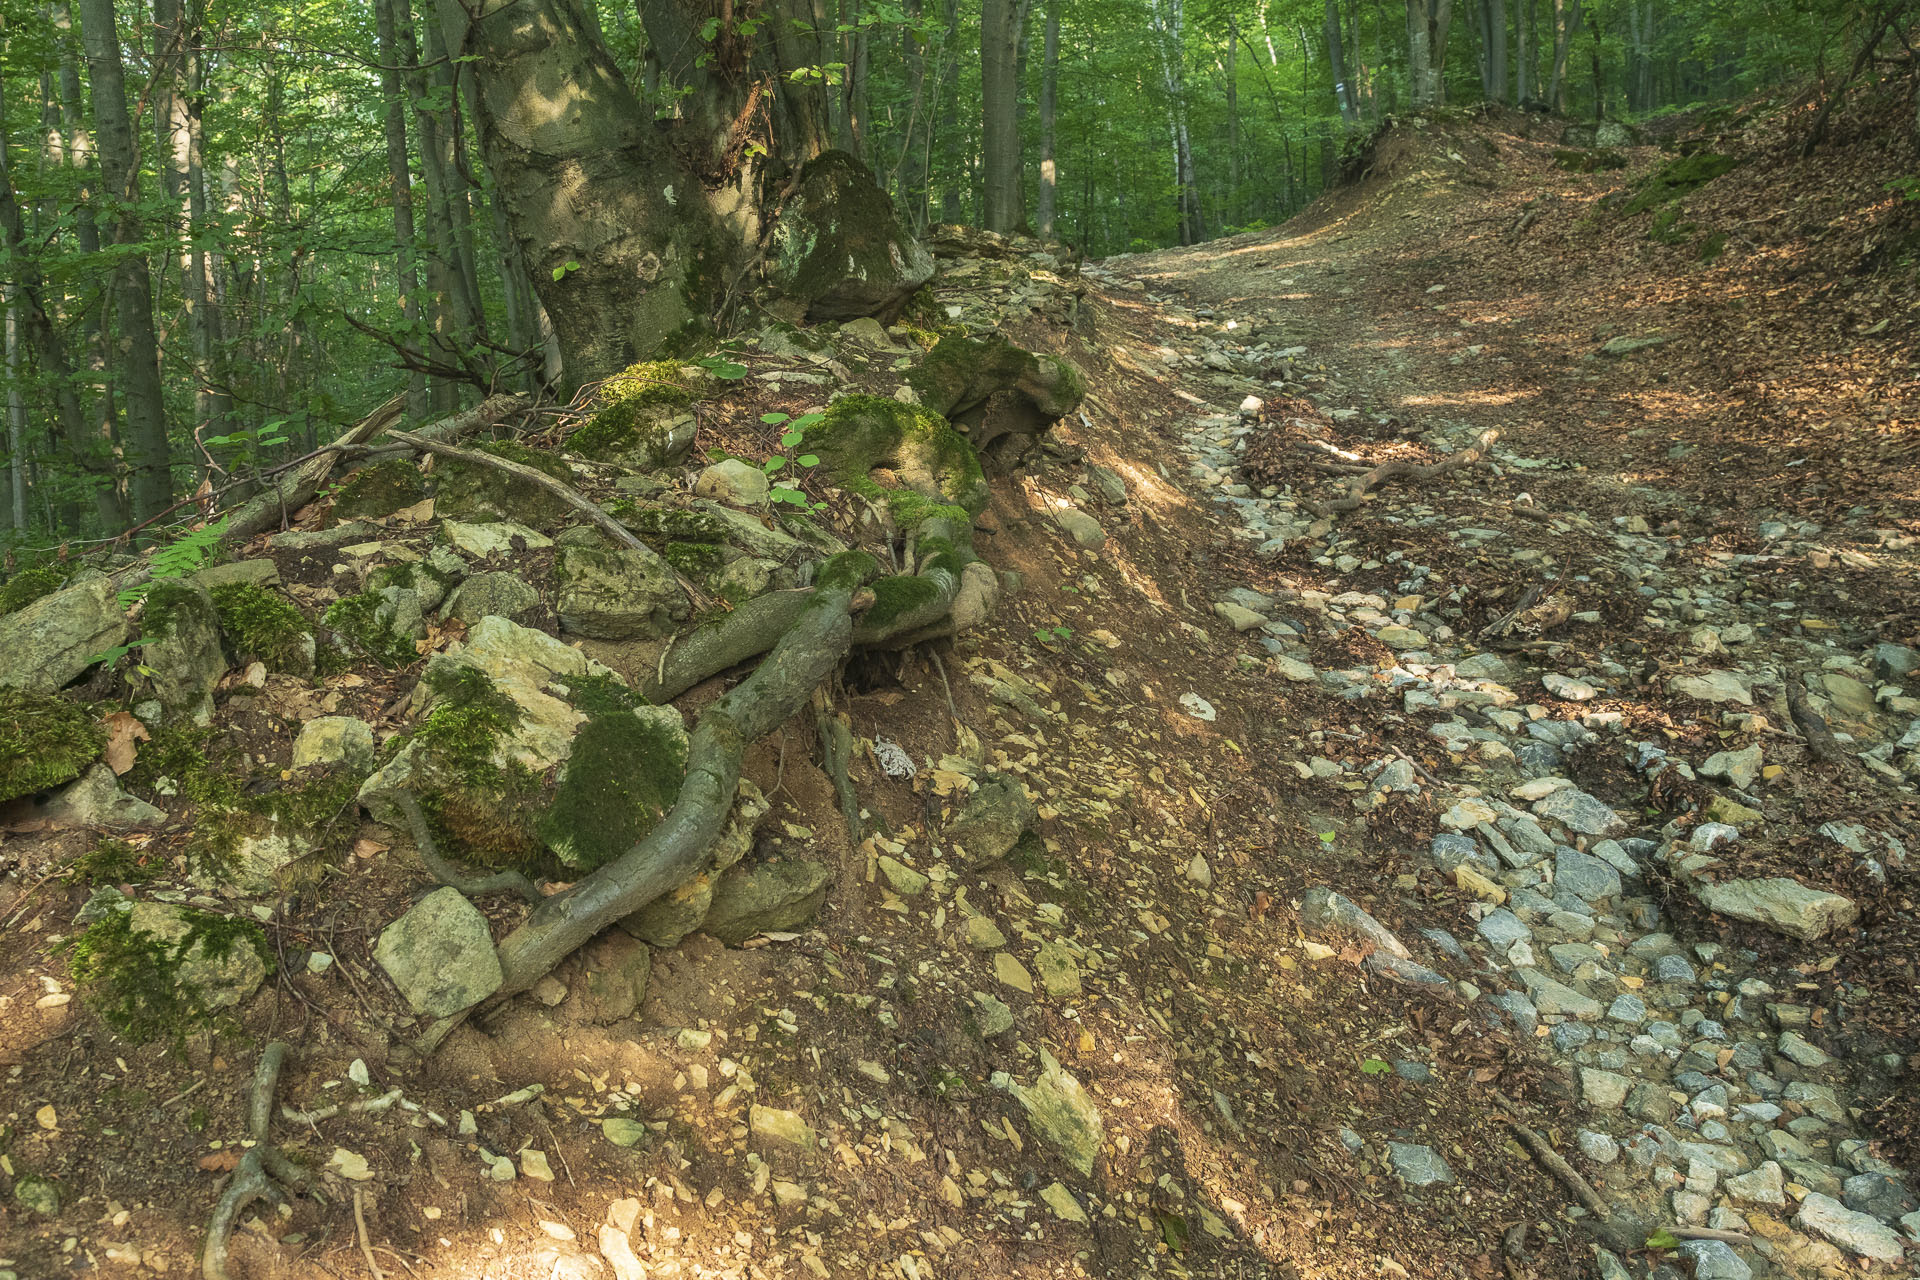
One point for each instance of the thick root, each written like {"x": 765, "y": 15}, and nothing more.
{"x": 260, "y": 1173}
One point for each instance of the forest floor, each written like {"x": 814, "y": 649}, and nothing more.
{"x": 1223, "y": 699}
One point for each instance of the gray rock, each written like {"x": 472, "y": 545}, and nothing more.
{"x": 1883, "y": 1196}
{"x": 1851, "y": 698}
{"x": 1628, "y": 1008}
{"x": 1324, "y": 911}
{"x": 255, "y": 573}
{"x": 318, "y": 539}
{"x": 1081, "y": 527}
{"x": 1579, "y": 812}
{"x": 1783, "y": 905}
{"x": 96, "y": 800}
{"x": 330, "y": 740}
{"x": 1741, "y": 768}
{"x": 1554, "y": 998}
{"x": 1714, "y": 686}
{"x": 215, "y": 978}
{"x": 1603, "y": 1090}
{"x": 182, "y": 649}
{"x": 624, "y": 594}
{"x": 839, "y": 248}
{"x": 1797, "y": 1047}
{"x": 1895, "y": 663}
{"x": 440, "y": 955}
{"x": 1239, "y": 617}
{"x": 1062, "y": 1112}
{"x": 1857, "y": 1233}
{"x": 1584, "y": 875}
{"x": 502, "y": 595}
{"x": 1502, "y": 929}
{"x": 492, "y": 538}
{"x": 51, "y": 641}
{"x": 1715, "y": 1260}
{"x": 733, "y": 481}
{"x": 1675, "y": 969}
{"x": 1765, "y": 1185}
{"x": 1626, "y": 345}
{"x": 1419, "y": 1166}
{"x": 1598, "y": 1147}
{"x": 36, "y": 1195}
{"x": 771, "y": 897}
{"x": 992, "y": 820}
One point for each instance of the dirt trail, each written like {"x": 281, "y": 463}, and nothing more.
{"x": 1356, "y": 834}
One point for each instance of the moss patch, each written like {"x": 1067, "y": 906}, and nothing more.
{"x": 695, "y": 559}
{"x": 475, "y": 491}
{"x": 897, "y": 596}
{"x": 1589, "y": 161}
{"x": 44, "y": 741}
{"x": 358, "y": 620}
{"x": 264, "y": 624}
{"x": 1677, "y": 178}
{"x": 483, "y": 813}
{"x": 380, "y": 490}
{"x": 622, "y": 777}
{"x": 135, "y": 981}
{"x": 117, "y": 862}
{"x": 184, "y": 761}
{"x": 633, "y": 405}
{"x": 28, "y": 585}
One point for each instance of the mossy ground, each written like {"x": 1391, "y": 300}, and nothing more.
{"x": 1677, "y": 178}
{"x": 357, "y": 620}
{"x": 44, "y": 741}
{"x": 861, "y": 432}
{"x": 262, "y": 624}
{"x": 632, "y": 398}
{"x": 132, "y": 979}
{"x": 117, "y": 862}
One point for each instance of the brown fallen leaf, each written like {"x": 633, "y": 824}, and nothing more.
{"x": 124, "y": 730}
{"x": 220, "y": 1162}
{"x": 365, "y": 848}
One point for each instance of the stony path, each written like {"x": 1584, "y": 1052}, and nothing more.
{"x": 1718, "y": 1090}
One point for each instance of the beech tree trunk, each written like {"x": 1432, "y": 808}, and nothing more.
{"x": 400, "y": 179}
{"x": 1001, "y": 203}
{"x": 1342, "y": 74}
{"x": 1049, "y": 91}
{"x": 951, "y": 207}
{"x": 137, "y": 351}
{"x": 1566, "y": 24}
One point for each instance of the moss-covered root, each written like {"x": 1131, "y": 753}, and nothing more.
{"x": 809, "y": 651}
{"x": 262, "y": 1165}
{"x": 938, "y": 470}
{"x": 746, "y": 632}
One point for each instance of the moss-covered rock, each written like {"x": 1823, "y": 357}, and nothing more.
{"x": 622, "y": 776}
{"x": 770, "y": 896}
{"x": 1677, "y": 178}
{"x": 642, "y": 419}
{"x": 44, "y": 741}
{"x": 617, "y": 594}
{"x": 379, "y": 490}
{"x": 154, "y": 971}
{"x": 28, "y": 585}
{"x": 474, "y": 491}
{"x": 936, "y": 469}
{"x": 839, "y": 250}
{"x": 382, "y": 626}
{"x": 264, "y": 625}
{"x": 180, "y": 651}
{"x": 1002, "y": 396}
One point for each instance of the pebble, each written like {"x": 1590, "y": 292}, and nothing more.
{"x": 1419, "y": 1166}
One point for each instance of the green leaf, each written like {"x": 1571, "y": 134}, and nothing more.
{"x": 775, "y": 419}
{"x": 723, "y": 368}
{"x": 791, "y": 438}
{"x": 806, "y": 420}
{"x": 1663, "y": 1239}
{"x": 773, "y": 464}
{"x": 1374, "y": 1067}
{"x": 808, "y": 459}
{"x": 1327, "y": 837}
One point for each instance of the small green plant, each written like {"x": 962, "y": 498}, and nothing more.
{"x": 722, "y": 368}
{"x": 1907, "y": 186}
{"x": 243, "y": 452}
{"x": 1374, "y": 1067}
{"x": 1053, "y": 635}
{"x": 564, "y": 270}
{"x": 796, "y": 431}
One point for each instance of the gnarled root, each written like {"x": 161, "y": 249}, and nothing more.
{"x": 448, "y": 874}
{"x": 1472, "y": 455}
{"x": 262, "y": 1171}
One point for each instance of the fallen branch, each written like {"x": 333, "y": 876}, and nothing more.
{"x": 1543, "y": 1152}
{"x": 361, "y": 1107}
{"x": 445, "y": 872}
{"x": 1707, "y": 1233}
{"x": 565, "y": 492}
{"x": 1472, "y": 455}
{"x": 260, "y": 1169}
{"x": 360, "y": 1229}
{"x": 836, "y": 757}
{"x": 1821, "y": 744}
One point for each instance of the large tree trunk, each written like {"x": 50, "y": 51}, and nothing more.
{"x": 400, "y": 179}
{"x": 1049, "y": 89}
{"x": 624, "y": 250}
{"x": 1342, "y": 74}
{"x": 1001, "y": 206}
{"x": 138, "y": 356}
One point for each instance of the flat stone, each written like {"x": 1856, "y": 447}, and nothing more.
{"x": 1603, "y": 1090}
{"x": 983, "y": 934}
{"x": 331, "y": 740}
{"x": 483, "y": 595}
{"x": 732, "y": 481}
{"x": 1765, "y": 1185}
{"x": 1783, "y": 905}
{"x": 1238, "y": 617}
{"x": 1011, "y": 973}
{"x": 45, "y": 645}
{"x": 440, "y": 955}
{"x": 1714, "y": 686}
{"x": 773, "y": 1125}
{"x": 621, "y": 594}
{"x": 1081, "y": 527}
{"x": 1063, "y": 1113}
{"x": 1880, "y": 1194}
{"x": 1585, "y": 876}
{"x": 1419, "y": 1166}
{"x": 992, "y": 820}
{"x": 1057, "y": 1198}
{"x": 1741, "y": 768}
{"x": 495, "y": 538}
{"x": 1553, "y": 998}
{"x": 767, "y": 898}
{"x": 1715, "y": 1260}
{"x": 1598, "y": 1147}
{"x": 219, "y": 981}
{"x": 1579, "y": 812}
{"x": 1059, "y": 972}
{"x": 994, "y": 1018}
{"x": 1851, "y": 698}
{"x": 1857, "y": 1233}
{"x": 1502, "y": 929}
{"x": 97, "y": 800}
{"x": 1324, "y": 911}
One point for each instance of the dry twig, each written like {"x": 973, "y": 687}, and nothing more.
{"x": 1472, "y": 455}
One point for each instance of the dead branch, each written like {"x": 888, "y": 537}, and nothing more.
{"x": 1472, "y": 455}
{"x": 261, "y": 1171}
{"x": 1821, "y": 744}
{"x": 1554, "y": 1163}
{"x": 836, "y": 757}
{"x": 565, "y": 492}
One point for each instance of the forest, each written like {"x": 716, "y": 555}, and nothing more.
{"x": 232, "y": 228}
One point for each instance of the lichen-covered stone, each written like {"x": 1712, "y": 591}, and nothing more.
{"x": 379, "y": 490}
{"x": 47, "y": 642}
{"x": 181, "y": 652}
{"x": 97, "y": 800}
{"x": 475, "y": 491}
{"x": 642, "y": 419}
{"x": 332, "y": 740}
{"x": 991, "y": 821}
{"x": 769, "y": 897}
{"x": 933, "y": 464}
{"x": 502, "y": 595}
{"x": 623, "y": 594}
{"x": 839, "y": 249}
{"x": 1062, "y": 1112}
{"x": 440, "y": 955}
{"x": 492, "y": 538}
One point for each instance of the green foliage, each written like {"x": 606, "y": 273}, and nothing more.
{"x": 469, "y": 717}
{"x": 1677, "y": 178}
{"x": 112, "y": 862}
{"x": 45, "y": 740}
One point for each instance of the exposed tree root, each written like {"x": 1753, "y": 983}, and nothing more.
{"x": 1821, "y": 744}
{"x": 1470, "y": 456}
{"x": 1555, "y": 1163}
{"x": 836, "y": 756}
{"x": 260, "y": 1169}
{"x": 448, "y": 874}
{"x": 565, "y": 492}
{"x": 747, "y": 632}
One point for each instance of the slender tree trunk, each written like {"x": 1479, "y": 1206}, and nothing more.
{"x": 908, "y": 183}
{"x": 951, "y": 207}
{"x": 1000, "y": 114}
{"x": 1566, "y": 24}
{"x": 400, "y": 179}
{"x": 1497, "y": 52}
{"x": 1230, "y": 207}
{"x": 16, "y": 411}
{"x": 1167, "y": 22}
{"x": 1524, "y": 80}
{"x": 1342, "y": 74}
{"x": 137, "y": 356}
{"x": 1049, "y": 89}
{"x": 856, "y": 84}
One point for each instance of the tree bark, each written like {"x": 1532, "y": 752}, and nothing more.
{"x": 1000, "y": 115}
{"x": 1342, "y": 74}
{"x": 400, "y": 179}
{"x": 1049, "y": 89}
{"x": 951, "y": 207}
{"x": 138, "y": 356}
{"x": 1567, "y": 15}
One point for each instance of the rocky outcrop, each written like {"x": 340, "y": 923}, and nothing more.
{"x": 46, "y": 644}
{"x": 838, "y": 249}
